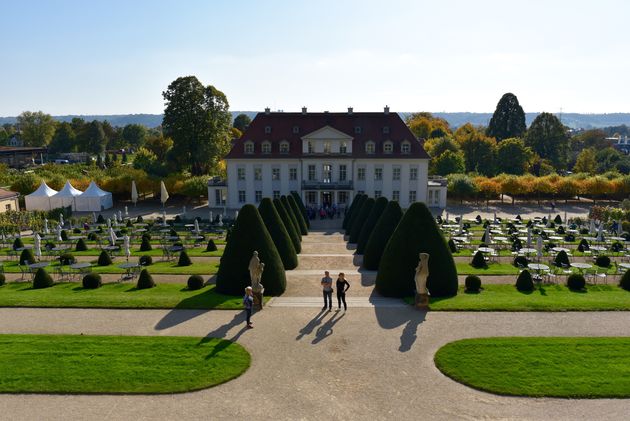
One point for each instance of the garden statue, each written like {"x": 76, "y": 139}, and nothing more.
{"x": 220, "y": 220}
{"x": 256, "y": 268}
{"x": 235, "y": 215}
{"x": 94, "y": 219}
{"x": 422, "y": 273}
{"x": 126, "y": 211}
{"x": 46, "y": 231}
{"x": 120, "y": 218}
{"x": 61, "y": 222}
{"x": 211, "y": 217}
{"x": 183, "y": 212}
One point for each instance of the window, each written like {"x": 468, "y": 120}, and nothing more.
{"x": 257, "y": 173}
{"x": 385, "y": 129}
{"x": 430, "y": 197}
{"x": 360, "y": 191}
{"x": 369, "y": 147}
{"x": 296, "y": 129}
{"x": 275, "y": 173}
{"x": 267, "y": 129}
{"x": 326, "y": 147}
{"x": 405, "y": 147}
{"x": 240, "y": 172}
{"x": 310, "y": 146}
{"x": 378, "y": 174}
{"x": 311, "y": 197}
{"x": 377, "y": 194}
{"x": 436, "y": 197}
{"x": 396, "y": 173}
{"x": 241, "y": 196}
{"x": 412, "y": 196}
{"x": 217, "y": 197}
{"x": 249, "y": 147}
{"x": 357, "y": 130}
{"x": 388, "y": 147}
{"x": 284, "y": 147}
{"x": 342, "y": 173}
{"x": 258, "y": 196}
{"x": 342, "y": 197}
{"x": 266, "y": 147}
{"x": 293, "y": 174}
{"x": 311, "y": 173}
{"x": 396, "y": 195}
{"x": 276, "y": 194}
{"x": 360, "y": 173}
{"x": 327, "y": 173}
{"x": 413, "y": 173}
{"x": 343, "y": 147}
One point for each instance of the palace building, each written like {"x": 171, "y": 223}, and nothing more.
{"x": 327, "y": 158}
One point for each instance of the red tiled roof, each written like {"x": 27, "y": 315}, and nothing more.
{"x": 371, "y": 125}
{"x": 7, "y": 194}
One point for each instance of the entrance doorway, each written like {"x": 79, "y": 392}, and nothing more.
{"x": 327, "y": 199}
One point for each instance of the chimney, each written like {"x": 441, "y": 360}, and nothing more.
{"x": 386, "y": 109}
{"x": 267, "y": 110}
{"x": 349, "y": 110}
{"x": 304, "y": 110}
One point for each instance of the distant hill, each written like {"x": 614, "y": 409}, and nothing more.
{"x": 573, "y": 120}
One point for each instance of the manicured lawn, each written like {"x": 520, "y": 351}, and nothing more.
{"x": 547, "y": 298}
{"x": 156, "y": 252}
{"x": 117, "y": 364}
{"x": 464, "y": 268}
{"x": 167, "y": 268}
{"x": 123, "y": 295}
{"x": 551, "y": 367}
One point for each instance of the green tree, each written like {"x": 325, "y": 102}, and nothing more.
{"x": 159, "y": 145}
{"x": 278, "y": 233}
{"x": 92, "y": 139}
{"x": 359, "y": 221}
{"x": 548, "y": 138}
{"x": 288, "y": 224}
{"x": 63, "y": 140}
{"x": 370, "y": 222}
{"x": 479, "y": 150}
{"x": 4, "y": 136}
{"x": 134, "y": 135}
{"x": 351, "y": 208}
{"x": 448, "y": 163}
{"x": 595, "y": 138}
{"x": 586, "y": 161}
{"x": 461, "y": 187}
{"x": 508, "y": 119}
{"x": 513, "y": 156}
{"x": 291, "y": 214}
{"x": 300, "y": 203}
{"x": 198, "y": 121}
{"x": 437, "y": 146}
{"x": 36, "y": 128}
{"x": 610, "y": 159}
{"x": 425, "y": 126}
{"x": 242, "y": 122}
{"x": 356, "y": 209}
{"x": 380, "y": 235}
{"x": 298, "y": 214}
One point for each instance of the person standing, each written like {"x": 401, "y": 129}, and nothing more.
{"x": 327, "y": 290}
{"x": 342, "y": 287}
{"x": 248, "y": 303}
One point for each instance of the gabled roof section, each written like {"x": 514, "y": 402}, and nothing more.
{"x": 327, "y": 132}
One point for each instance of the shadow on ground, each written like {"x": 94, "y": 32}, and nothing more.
{"x": 394, "y": 317}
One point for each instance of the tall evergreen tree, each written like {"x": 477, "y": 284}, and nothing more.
{"x": 359, "y": 221}
{"x": 300, "y": 204}
{"x": 288, "y": 224}
{"x": 298, "y": 215}
{"x": 370, "y": 222}
{"x": 291, "y": 213}
{"x": 346, "y": 217}
{"x": 278, "y": 233}
{"x": 508, "y": 119}
{"x": 549, "y": 139}
{"x": 383, "y": 230}
{"x": 356, "y": 209}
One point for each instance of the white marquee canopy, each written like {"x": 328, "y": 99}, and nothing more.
{"x": 40, "y": 198}
{"x": 65, "y": 197}
{"x": 93, "y": 199}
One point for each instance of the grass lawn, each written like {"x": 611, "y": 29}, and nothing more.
{"x": 547, "y": 298}
{"x": 72, "y": 294}
{"x": 117, "y": 364}
{"x": 550, "y": 367}
{"x": 156, "y": 252}
{"x": 464, "y": 268}
{"x": 166, "y": 268}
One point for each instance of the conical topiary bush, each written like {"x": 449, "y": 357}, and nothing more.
{"x": 380, "y": 235}
{"x": 346, "y": 217}
{"x": 300, "y": 204}
{"x": 359, "y": 221}
{"x": 298, "y": 215}
{"x": 525, "y": 282}
{"x": 370, "y": 222}
{"x": 42, "y": 279}
{"x": 104, "y": 259}
{"x": 288, "y": 224}
{"x": 145, "y": 245}
{"x": 356, "y": 209}
{"x": 211, "y": 246}
{"x": 249, "y": 234}
{"x": 17, "y": 243}
{"x": 81, "y": 246}
{"x": 478, "y": 261}
{"x": 184, "y": 260}
{"x": 291, "y": 214}
{"x": 417, "y": 232}
{"x": 145, "y": 280}
{"x": 278, "y": 233}
{"x": 26, "y": 257}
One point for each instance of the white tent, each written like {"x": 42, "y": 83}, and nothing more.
{"x": 93, "y": 199}
{"x": 65, "y": 197}
{"x": 40, "y": 198}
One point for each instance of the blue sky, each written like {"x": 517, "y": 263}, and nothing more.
{"x": 116, "y": 57}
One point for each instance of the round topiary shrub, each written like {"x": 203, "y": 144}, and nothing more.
{"x": 569, "y": 238}
{"x": 147, "y": 236}
{"x": 279, "y": 233}
{"x": 520, "y": 261}
{"x": 76, "y": 230}
{"x": 517, "y": 244}
{"x": 195, "y": 282}
{"x": 562, "y": 259}
{"x": 3, "y": 279}
{"x": 17, "y": 243}
{"x": 104, "y": 259}
{"x": 145, "y": 245}
{"x": 560, "y": 230}
{"x": 92, "y": 281}
{"x": 64, "y": 235}
{"x": 42, "y": 279}
{"x": 473, "y": 283}
{"x": 479, "y": 261}
{"x": 184, "y": 260}
{"x": 213, "y": 247}
{"x": 624, "y": 282}
{"x": 92, "y": 236}
{"x": 177, "y": 219}
{"x": 583, "y": 246}
{"x": 81, "y": 246}
{"x": 452, "y": 246}
{"x": 67, "y": 259}
{"x": 525, "y": 282}
{"x": 383, "y": 230}
{"x": 576, "y": 282}
{"x": 145, "y": 261}
{"x": 602, "y": 261}
{"x": 26, "y": 257}
{"x": 145, "y": 280}
{"x": 129, "y": 224}
{"x": 616, "y": 247}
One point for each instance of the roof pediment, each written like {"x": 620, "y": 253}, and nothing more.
{"x": 327, "y": 133}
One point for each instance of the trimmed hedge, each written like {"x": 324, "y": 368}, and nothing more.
{"x": 360, "y": 220}
{"x": 602, "y": 261}
{"x": 383, "y": 230}
{"x": 346, "y": 217}
{"x": 278, "y": 233}
{"x": 355, "y": 211}
{"x": 67, "y": 259}
{"x": 288, "y": 224}
{"x": 300, "y": 203}
{"x": 298, "y": 215}
{"x": 80, "y": 246}
{"x": 472, "y": 283}
{"x": 248, "y": 235}
{"x": 27, "y": 257}
{"x": 42, "y": 279}
{"x": 195, "y": 282}
{"x": 92, "y": 281}
{"x": 562, "y": 259}
{"x": 291, "y": 214}
{"x": 184, "y": 260}
{"x": 145, "y": 261}
{"x": 525, "y": 282}
{"x": 211, "y": 246}
{"x": 416, "y": 233}
{"x": 370, "y": 222}
{"x": 145, "y": 280}
{"x": 583, "y": 245}
{"x": 64, "y": 235}
{"x": 557, "y": 219}
{"x": 104, "y": 259}
{"x": 100, "y": 219}
{"x": 145, "y": 245}
{"x": 576, "y": 282}
{"x": 3, "y": 279}
{"x": 479, "y": 261}
{"x": 624, "y": 282}
{"x": 17, "y": 243}
{"x": 452, "y": 246}
{"x": 520, "y": 261}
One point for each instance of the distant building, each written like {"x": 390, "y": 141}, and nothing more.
{"x": 20, "y": 157}
{"x": 9, "y": 201}
{"x": 327, "y": 158}
{"x": 622, "y": 143}
{"x": 15, "y": 141}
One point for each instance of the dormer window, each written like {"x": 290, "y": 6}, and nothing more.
{"x": 370, "y": 148}
{"x": 388, "y": 147}
{"x": 266, "y": 147}
{"x": 249, "y": 147}
{"x": 343, "y": 147}
{"x": 357, "y": 130}
{"x": 296, "y": 129}
{"x": 405, "y": 147}
{"x": 385, "y": 129}
{"x": 267, "y": 129}
{"x": 284, "y": 147}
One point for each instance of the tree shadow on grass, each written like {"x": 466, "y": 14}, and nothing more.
{"x": 393, "y": 317}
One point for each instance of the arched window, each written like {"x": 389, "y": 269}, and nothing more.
{"x": 388, "y": 147}
{"x": 405, "y": 147}
{"x": 266, "y": 147}
{"x": 249, "y": 147}
{"x": 284, "y": 147}
{"x": 370, "y": 147}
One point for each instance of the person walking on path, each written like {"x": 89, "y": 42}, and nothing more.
{"x": 342, "y": 287}
{"x": 248, "y": 302}
{"x": 327, "y": 290}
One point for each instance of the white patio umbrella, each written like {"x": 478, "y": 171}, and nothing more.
{"x": 447, "y": 217}
{"x": 539, "y": 247}
{"x": 592, "y": 229}
{"x": 196, "y": 226}
{"x": 38, "y": 246}
{"x": 46, "y": 231}
{"x": 565, "y": 218}
{"x": 220, "y": 220}
{"x": 126, "y": 211}
{"x": 461, "y": 225}
{"x": 61, "y": 221}
{"x": 134, "y": 192}
{"x": 211, "y": 216}
{"x": 619, "y": 228}
{"x": 112, "y": 237}
{"x": 120, "y": 218}
{"x": 235, "y": 215}
{"x": 495, "y": 218}
{"x": 163, "y": 193}
{"x": 127, "y": 246}
{"x": 109, "y": 223}
{"x": 548, "y": 220}
{"x": 600, "y": 232}
{"x": 59, "y": 233}
{"x": 183, "y": 211}
{"x": 487, "y": 235}
{"x": 164, "y": 218}
{"x": 529, "y": 237}
{"x": 94, "y": 219}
